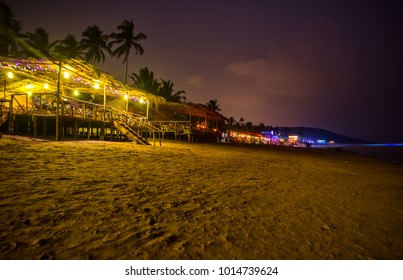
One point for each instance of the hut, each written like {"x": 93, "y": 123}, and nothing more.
{"x": 72, "y": 98}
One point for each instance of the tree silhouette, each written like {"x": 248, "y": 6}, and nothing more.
{"x": 10, "y": 29}
{"x": 145, "y": 80}
{"x": 231, "y": 121}
{"x": 166, "y": 90}
{"x": 68, "y": 48}
{"x": 127, "y": 41}
{"x": 213, "y": 105}
{"x": 94, "y": 44}
{"x": 37, "y": 44}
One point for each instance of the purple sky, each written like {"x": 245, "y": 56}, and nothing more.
{"x": 335, "y": 65}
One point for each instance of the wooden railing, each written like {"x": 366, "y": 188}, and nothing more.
{"x": 46, "y": 104}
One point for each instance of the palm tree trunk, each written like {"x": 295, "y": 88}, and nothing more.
{"x": 126, "y": 68}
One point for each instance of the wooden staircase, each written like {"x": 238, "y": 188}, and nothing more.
{"x": 130, "y": 133}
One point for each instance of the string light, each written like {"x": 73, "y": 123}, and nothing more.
{"x": 24, "y": 66}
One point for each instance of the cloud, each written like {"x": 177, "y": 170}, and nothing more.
{"x": 194, "y": 81}
{"x": 312, "y": 61}
{"x": 298, "y": 82}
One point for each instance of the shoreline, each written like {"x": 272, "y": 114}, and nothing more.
{"x": 389, "y": 152}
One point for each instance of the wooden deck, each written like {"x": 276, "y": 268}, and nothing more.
{"x": 38, "y": 116}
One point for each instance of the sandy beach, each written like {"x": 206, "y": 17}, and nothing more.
{"x": 119, "y": 200}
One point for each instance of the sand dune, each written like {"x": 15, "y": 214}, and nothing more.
{"x": 118, "y": 200}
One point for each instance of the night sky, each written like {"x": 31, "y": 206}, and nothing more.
{"x": 335, "y": 65}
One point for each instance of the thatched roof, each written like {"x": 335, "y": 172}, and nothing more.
{"x": 32, "y": 74}
{"x": 196, "y": 110}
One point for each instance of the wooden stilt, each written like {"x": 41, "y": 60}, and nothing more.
{"x": 76, "y": 129}
{"x": 34, "y": 121}
{"x": 29, "y": 126}
{"x": 89, "y": 131}
{"x": 44, "y": 127}
{"x": 159, "y": 135}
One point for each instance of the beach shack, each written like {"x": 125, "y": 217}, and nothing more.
{"x": 70, "y": 98}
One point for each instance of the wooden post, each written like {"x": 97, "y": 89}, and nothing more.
{"x": 190, "y": 123}
{"x": 63, "y": 129}
{"x": 75, "y": 129}
{"x": 5, "y": 82}
{"x": 103, "y": 131}
{"x": 34, "y": 120}
{"x": 89, "y": 130}
{"x": 154, "y": 137}
{"x": 58, "y": 103}
{"x": 11, "y": 122}
{"x": 29, "y": 126}
{"x": 148, "y": 107}
{"x": 175, "y": 133}
{"x": 44, "y": 127}
{"x": 159, "y": 135}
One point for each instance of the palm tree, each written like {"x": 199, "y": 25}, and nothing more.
{"x": 231, "y": 121}
{"x": 145, "y": 80}
{"x": 69, "y": 48}
{"x": 213, "y": 106}
{"x": 126, "y": 40}
{"x": 37, "y": 44}
{"x": 166, "y": 90}
{"x": 94, "y": 43}
{"x": 249, "y": 124}
{"x": 10, "y": 28}
{"x": 241, "y": 121}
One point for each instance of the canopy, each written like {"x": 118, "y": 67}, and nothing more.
{"x": 41, "y": 75}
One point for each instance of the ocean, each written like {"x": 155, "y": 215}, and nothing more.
{"x": 391, "y": 152}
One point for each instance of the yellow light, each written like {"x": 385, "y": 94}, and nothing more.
{"x": 46, "y": 86}
{"x": 29, "y": 93}
{"x": 29, "y": 86}
{"x": 10, "y": 75}
{"x": 76, "y": 92}
{"x": 66, "y": 75}
{"x": 142, "y": 100}
{"x": 126, "y": 97}
{"x": 96, "y": 86}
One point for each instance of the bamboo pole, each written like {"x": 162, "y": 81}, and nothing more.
{"x": 58, "y": 103}
{"x": 159, "y": 135}
{"x": 11, "y": 121}
{"x": 44, "y": 127}
{"x": 103, "y": 132}
{"x": 34, "y": 120}
{"x": 75, "y": 129}
{"x": 190, "y": 124}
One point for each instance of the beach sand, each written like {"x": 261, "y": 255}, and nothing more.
{"x": 119, "y": 200}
